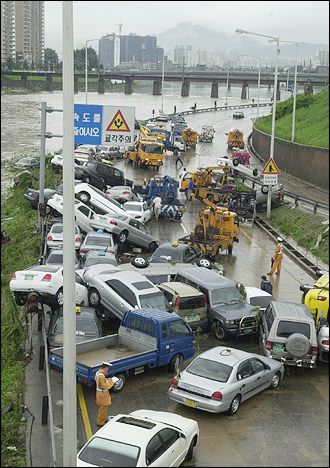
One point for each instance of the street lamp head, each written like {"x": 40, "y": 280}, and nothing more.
{"x": 240, "y": 31}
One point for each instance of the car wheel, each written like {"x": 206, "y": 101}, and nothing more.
{"x": 121, "y": 382}
{"x": 20, "y": 299}
{"x": 59, "y": 297}
{"x": 84, "y": 197}
{"x": 210, "y": 198}
{"x": 236, "y": 162}
{"x": 264, "y": 189}
{"x": 219, "y": 331}
{"x": 276, "y": 380}
{"x": 191, "y": 449}
{"x": 94, "y": 297}
{"x": 123, "y": 237}
{"x": 204, "y": 262}
{"x": 140, "y": 262}
{"x": 153, "y": 246}
{"x": 234, "y": 405}
{"x": 175, "y": 363}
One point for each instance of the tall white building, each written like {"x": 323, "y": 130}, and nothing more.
{"x": 323, "y": 57}
{"x": 7, "y": 31}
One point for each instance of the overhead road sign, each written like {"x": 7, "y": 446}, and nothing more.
{"x": 271, "y": 168}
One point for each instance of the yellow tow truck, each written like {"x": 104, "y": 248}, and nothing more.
{"x": 190, "y": 137}
{"x": 235, "y": 139}
{"x": 148, "y": 152}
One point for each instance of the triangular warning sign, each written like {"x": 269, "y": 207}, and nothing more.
{"x": 118, "y": 123}
{"x": 271, "y": 168}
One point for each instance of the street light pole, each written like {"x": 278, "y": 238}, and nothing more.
{"x": 227, "y": 85}
{"x": 163, "y": 76}
{"x": 294, "y": 96}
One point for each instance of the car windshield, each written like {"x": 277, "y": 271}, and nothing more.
{"x": 84, "y": 327}
{"x": 100, "y": 260}
{"x": 155, "y": 300}
{"x": 95, "y": 240}
{"x": 208, "y": 369}
{"x": 55, "y": 258}
{"x": 229, "y": 295}
{"x": 168, "y": 254}
{"x": 261, "y": 301}
{"x": 131, "y": 207}
{"x": 57, "y": 229}
{"x": 152, "y": 149}
{"x": 107, "y": 452}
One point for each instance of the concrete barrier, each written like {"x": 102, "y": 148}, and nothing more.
{"x": 309, "y": 163}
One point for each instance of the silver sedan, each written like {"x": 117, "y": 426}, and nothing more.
{"x": 220, "y": 379}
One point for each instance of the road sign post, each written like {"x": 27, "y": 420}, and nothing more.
{"x": 270, "y": 173}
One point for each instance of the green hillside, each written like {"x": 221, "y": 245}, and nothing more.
{"x": 312, "y": 120}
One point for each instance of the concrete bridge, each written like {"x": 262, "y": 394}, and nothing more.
{"x": 308, "y": 80}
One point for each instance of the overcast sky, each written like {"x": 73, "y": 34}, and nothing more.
{"x": 297, "y": 20}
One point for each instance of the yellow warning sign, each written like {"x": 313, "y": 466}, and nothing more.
{"x": 118, "y": 123}
{"x": 271, "y": 168}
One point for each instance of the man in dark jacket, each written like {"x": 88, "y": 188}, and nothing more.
{"x": 266, "y": 285}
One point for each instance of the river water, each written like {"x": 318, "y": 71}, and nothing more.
{"x": 20, "y": 115}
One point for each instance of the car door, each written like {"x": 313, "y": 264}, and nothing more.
{"x": 146, "y": 212}
{"x": 81, "y": 291}
{"x": 146, "y": 239}
{"x": 246, "y": 379}
{"x": 135, "y": 235}
{"x": 175, "y": 444}
{"x": 117, "y": 176}
{"x": 83, "y": 216}
{"x": 262, "y": 375}
{"x": 156, "y": 453}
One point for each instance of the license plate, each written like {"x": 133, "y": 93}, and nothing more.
{"x": 278, "y": 348}
{"x": 191, "y": 403}
{"x": 28, "y": 277}
{"x": 245, "y": 331}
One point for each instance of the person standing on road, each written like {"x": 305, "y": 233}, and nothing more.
{"x": 177, "y": 153}
{"x": 157, "y": 203}
{"x": 266, "y": 285}
{"x": 103, "y": 399}
{"x": 278, "y": 257}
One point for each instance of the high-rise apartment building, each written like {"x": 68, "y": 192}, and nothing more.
{"x": 142, "y": 49}
{"x": 7, "y": 31}
{"x": 109, "y": 51}
{"x": 23, "y": 31}
{"x": 323, "y": 57}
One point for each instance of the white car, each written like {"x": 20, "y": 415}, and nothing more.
{"x": 48, "y": 282}
{"x": 83, "y": 214}
{"x": 139, "y": 210}
{"x": 141, "y": 438}
{"x": 57, "y": 160}
{"x": 123, "y": 193}
{"x": 96, "y": 198}
{"x": 258, "y": 298}
{"x": 55, "y": 236}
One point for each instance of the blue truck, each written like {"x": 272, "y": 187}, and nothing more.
{"x": 146, "y": 338}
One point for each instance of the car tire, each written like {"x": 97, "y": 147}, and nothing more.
{"x": 204, "y": 262}
{"x": 210, "y": 198}
{"x": 122, "y": 238}
{"x": 219, "y": 331}
{"x": 191, "y": 449}
{"x": 175, "y": 363}
{"x": 59, "y": 297}
{"x": 20, "y": 298}
{"x": 84, "y": 197}
{"x": 235, "y": 162}
{"x": 140, "y": 262}
{"x": 234, "y": 405}
{"x": 276, "y": 380}
{"x": 264, "y": 189}
{"x": 121, "y": 382}
{"x": 94, "y": 298}
{"x": 297, "y": 345}
{"x": 153, "y": 246}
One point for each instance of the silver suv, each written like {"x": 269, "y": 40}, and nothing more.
{"x": 288, "y": 334}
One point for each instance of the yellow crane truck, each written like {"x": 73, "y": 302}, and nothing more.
{"x": 216, "y": 230}
{"x": 148, "y": 152}
{"x": 235, "y": 139}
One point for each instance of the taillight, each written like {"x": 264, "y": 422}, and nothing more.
{"x": 321, "y": 298}
{"x": 78, "y": 239}
{"x": 49, "y": 238}
{"x": 83, "y": 251}
{"x": 47, "y": 277}
{"x": 125, "y": 193}
{"x": 325, "y": 342}
{"x": 174, "y": 382}
{"x": 112, "y": 221}
{"x": 314, "y": 349}
{"x": 13, "y": 276}
{"x": 269, "y": 345}
{"x": 177, "y": 302}
{"x": 217, "y": 396}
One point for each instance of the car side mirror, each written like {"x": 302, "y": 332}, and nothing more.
{"x": 267, "y": 367}
{"x": 182, "y": 435}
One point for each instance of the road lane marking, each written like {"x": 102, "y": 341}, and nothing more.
{"x": 184, "y": 228}
{"x": 84, "y": 413}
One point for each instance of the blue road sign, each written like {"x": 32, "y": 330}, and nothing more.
{"x": 290, "y": 87}
{"x": 87, "y": 124}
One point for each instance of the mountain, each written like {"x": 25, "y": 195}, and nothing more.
{"x": 204, "y": 38}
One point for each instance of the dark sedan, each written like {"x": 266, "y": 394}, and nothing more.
{"x": 88, "y": 175}
{"x": 238, "y": 115}
{"x": 32, "y": 196}
{"x": 176, "y": 252}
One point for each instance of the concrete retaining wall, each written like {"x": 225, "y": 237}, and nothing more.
{"x": 309, "y": 163}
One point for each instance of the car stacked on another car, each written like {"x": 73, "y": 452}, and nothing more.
{"x": 100, "y": 257}
{"x": 98, "y": 241}
{"x": 123, "y": 193}
{"x": 55, "y": 258}
{"x": 55, "y": 236}
{"x": 98, "y": 200}
{"x": 177, "y": 252}
{"x": 139, "y": 210}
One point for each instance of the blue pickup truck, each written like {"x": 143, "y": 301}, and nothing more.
{"x": 146, "y": 338}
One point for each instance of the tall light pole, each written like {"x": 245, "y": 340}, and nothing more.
{"x": 163, "y": 77}
{"x": 69, "y": 344}
{"x": 277, "y": 40}
{"x": 227, "y": 85}
{"x": 86, "y": 68}
{"x": 258, "y": 96}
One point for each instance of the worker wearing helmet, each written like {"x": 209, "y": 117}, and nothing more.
{"x": 278, "y": 257}
{"x": 103, "y": 399}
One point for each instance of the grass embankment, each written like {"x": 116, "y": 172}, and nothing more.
{"x": 20, "y": 253}
{"x": 312, "y": 120}
{"x": 303, "y": 228}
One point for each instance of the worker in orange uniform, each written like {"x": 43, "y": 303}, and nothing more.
{"x": 278, "y": 257}
{"x": 103, "y": 399}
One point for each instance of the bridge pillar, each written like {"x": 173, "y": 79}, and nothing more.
{"x": 229, "y": 85}
{"x": 49, "y": 83}
{"x": 76, "y": 84}
{"x": 215, "y": 90}
{"x": 128, "y": 86}
{"x": 100, "y": 85}
{"x": 245, "y": 87}
{"x": 308, "y": 88}
{"x": 157, "y": 88}
{"x": 185, "y": 88}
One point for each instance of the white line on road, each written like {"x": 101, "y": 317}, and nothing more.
{"x": 184, "y": 228}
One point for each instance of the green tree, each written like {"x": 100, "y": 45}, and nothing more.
{"x": 79, "y": 59}
{"x": 10, "y": 63}
{"x": 25, "y": 65}
{"x": 51, "y": 59}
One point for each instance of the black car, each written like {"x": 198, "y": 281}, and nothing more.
{"x": 90, "y": 176}
{"x": 88, "y": 326}
{"x": 238, "y": 115}
{"x": 176, "y": 252}
{"x": 111, "y": 175}
{"x": 32, "y": 196}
